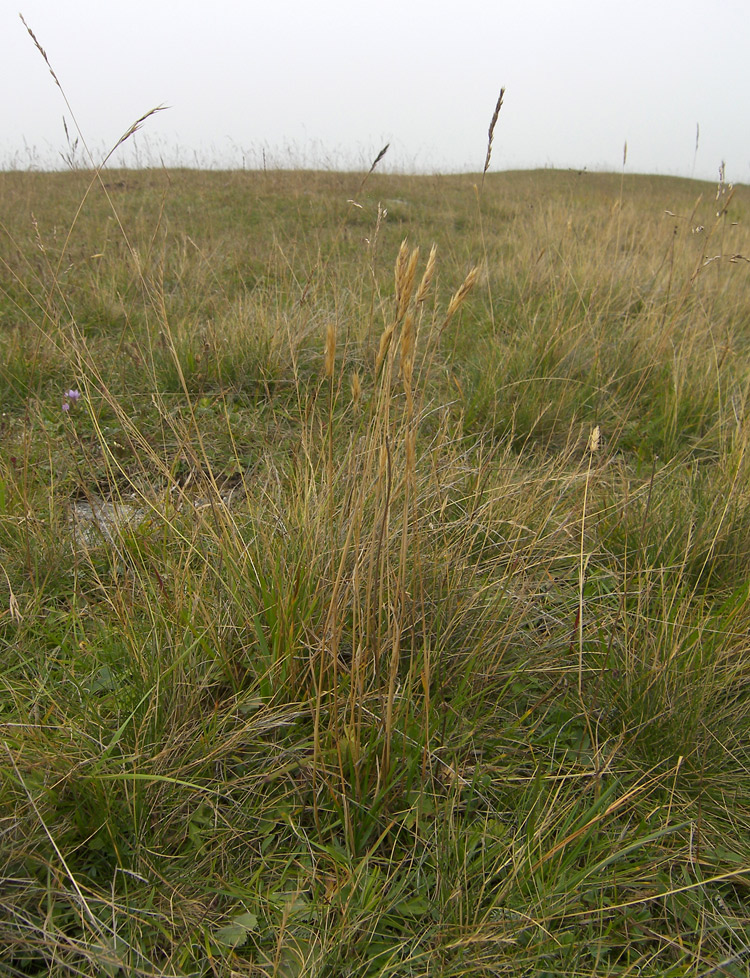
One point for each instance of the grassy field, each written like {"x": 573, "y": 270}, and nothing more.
{"x": 369, "y": 608}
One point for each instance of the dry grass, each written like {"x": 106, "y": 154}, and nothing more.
{"x": 426, "y": 653}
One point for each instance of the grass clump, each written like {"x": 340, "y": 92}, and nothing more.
{"x": 378, "y": 608}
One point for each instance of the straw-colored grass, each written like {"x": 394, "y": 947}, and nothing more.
{"x": 423, "y": 647}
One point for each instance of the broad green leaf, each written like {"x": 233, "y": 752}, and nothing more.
{"x": 235, "y": 933}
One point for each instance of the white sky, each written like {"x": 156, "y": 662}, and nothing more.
{"x": 328, "y": 82}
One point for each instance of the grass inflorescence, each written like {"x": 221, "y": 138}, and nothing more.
{"x": 374, "y": 589}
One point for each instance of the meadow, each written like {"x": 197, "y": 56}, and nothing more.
{"x": 374, "y": 590}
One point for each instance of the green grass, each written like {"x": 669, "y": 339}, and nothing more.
{"x": 386, "y": 672}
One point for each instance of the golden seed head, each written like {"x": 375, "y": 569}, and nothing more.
{"x": 385, "y": 342}
{"x": 402, "y": 259}
{"x": 406, "y": 270}
{"x": 459, "y": 296}
{"x": 356, "y": 388}
{"x": 407, "y": 346}
{"x": 424, "y": 285}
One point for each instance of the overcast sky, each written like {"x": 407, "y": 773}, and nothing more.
{"x": 329, "y": 82}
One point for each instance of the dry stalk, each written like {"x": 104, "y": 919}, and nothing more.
{"x": 321, "y": 266}
{"x": 407, "y": 360}
{"x": 330, "y": 357}
{"x": 43, "y": 53}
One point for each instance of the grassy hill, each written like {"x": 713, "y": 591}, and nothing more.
{"x": 374, "y": 593}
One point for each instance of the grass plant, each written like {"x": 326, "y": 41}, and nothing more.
{"x": 414, "y": 637}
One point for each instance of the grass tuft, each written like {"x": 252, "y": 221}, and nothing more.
{"x": 367, "y": 614}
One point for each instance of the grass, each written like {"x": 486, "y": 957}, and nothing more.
{"x": 380, "y": 664}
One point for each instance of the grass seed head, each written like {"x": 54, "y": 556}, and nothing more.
{"x": 491, "y": 131}
{"x": 385, "y": 342}
{"x": 402, "y": 260}
{"x": 407, "y": 344}
{"x": 379, "y": 157}
{"x": 356, "y": 385}
{"x": 459, "y": 296}
{"x": 429, "y": 272}
{"x": 406, "y": 272}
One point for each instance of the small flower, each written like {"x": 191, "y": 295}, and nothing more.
{"x": 70, "y": 397}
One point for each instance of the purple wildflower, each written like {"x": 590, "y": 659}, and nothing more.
{"x": 70, "y": 397}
